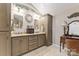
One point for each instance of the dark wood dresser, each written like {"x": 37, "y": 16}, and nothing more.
{"x": 70, "y": 42}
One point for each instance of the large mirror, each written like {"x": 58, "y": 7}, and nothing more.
{"x": 17, "y": 22}
{"x": 73, "y": 28}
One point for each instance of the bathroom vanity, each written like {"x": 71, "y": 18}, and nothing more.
{"x": 29, "y": 32}
{"x": 22, "y": 43}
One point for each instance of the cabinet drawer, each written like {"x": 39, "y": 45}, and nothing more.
{"x": 32, "y": 43}
{"x": 32, "y": 40}
{"x": 31, "y": 47}
{"x": 32, "y": 37}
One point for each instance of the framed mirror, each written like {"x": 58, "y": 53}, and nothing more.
{"x": 28, "y": 18}
{"x": 17, "y": 22}
{"x": 73, "y": 28}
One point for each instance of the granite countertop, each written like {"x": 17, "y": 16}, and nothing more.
{"x": 15, "y": 35}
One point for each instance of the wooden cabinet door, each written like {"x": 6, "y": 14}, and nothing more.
{"x": 34, "y": 46}
{"x": 49, "y": 34}
{"x": 19, "y": 45}
{"x": 5, "y": 12}
{"x": 41, "y": 40}
{"x": 8, "y": 44}
{"x": 32, "y": 39}
{"x": 5, "y": 44}
{"x": 16, "y": 46}
{"x": 33, "y": 43}
{"x": 24, "y": 44}
{"x": 47, "y": 20}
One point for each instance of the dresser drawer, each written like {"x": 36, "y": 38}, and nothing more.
{"x": 33, "y": 43}
{"x": 32, "y": 37}
{"x": 32, "y": 40}
{"x": 33, "y": 46}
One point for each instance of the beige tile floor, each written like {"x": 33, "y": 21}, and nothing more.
{"x": 46, "y": 51}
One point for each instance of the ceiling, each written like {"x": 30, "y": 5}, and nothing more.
{"x": 54, "y": 8}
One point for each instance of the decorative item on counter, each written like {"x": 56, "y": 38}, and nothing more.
{"x": 12, "y": 28}
{"x": 30, "y": 29}
{"x": 65, "y": 27}
{"x": 36, "y": 26}
{"x": 65, "y": 30}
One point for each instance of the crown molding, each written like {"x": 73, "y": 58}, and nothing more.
{"x": 28, "y": 6}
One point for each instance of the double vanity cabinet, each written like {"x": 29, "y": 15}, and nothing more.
{"x": 18, "y": 44}
{"x": 22, "y": 43}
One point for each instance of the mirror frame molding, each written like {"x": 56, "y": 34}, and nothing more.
{"x": 68, "y": 28}
{"x": 76, "y": 14}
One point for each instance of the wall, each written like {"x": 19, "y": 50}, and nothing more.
{"x": 22, "y": 12}
{"x": 59, "y": 21}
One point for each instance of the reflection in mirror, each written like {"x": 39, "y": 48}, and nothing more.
{"x": 17, "y": 22}
{"x": 74, "y": 28}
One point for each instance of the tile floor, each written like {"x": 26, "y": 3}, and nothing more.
{"x": 46, "y": 51}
